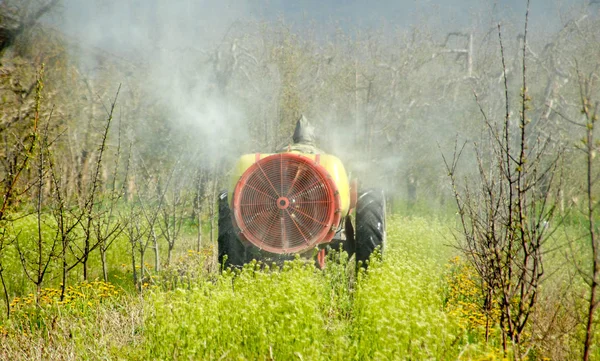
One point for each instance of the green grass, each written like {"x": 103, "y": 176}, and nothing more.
{"x": 398, "y": 310}
{"x": 398, "y": 307}
{"x": 394, "y": 311}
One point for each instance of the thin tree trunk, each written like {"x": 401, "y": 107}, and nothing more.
{"x": 213, "y": 201}
{"x": 134, "y": 271}
{"x": 199, "y": 213}
{"x": 40, "y": 264}
{"x": 141, "y": 278}
{"x": 199, "y": 240}
{"x": 589, "y": 332}
{"x": 64, "y": 272}
{"x": 6, "y": 297}
{"x": 169, "y": 251}
{"x": 156, "y": 252}
{"x": 84, "y": 262}
{"x": 104, "y": 266}
{"x": 212, "y": 221}
{"x": 590, "y": 316}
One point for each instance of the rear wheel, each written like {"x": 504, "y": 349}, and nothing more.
{"x": 232, "y": 252}
{"x": 370, "y": 224}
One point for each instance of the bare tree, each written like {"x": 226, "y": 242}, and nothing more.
{"x": 198, "y": 204}
{"x": 16, "y": 160}
{"x": 67, "y": 220}
{"x": 107, "y": 226}
{"x": 89, "y": 207}
{"x": 3, "y": 243}
{"x": 40, "y": 251}
{"x": 506, "y": 218}
{"x": 172, "y": 214}
{"x": 590, "y": 147}
{"x": 135, "y": 231}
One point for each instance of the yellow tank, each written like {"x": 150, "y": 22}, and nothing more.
{"x": 332, "y": 164}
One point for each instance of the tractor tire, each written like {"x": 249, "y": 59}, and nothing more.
{"x": 232, "y": 252}
{"x": 370, "y": 224}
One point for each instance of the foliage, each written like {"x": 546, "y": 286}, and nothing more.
{"x": 87, "y": 179}
{"x": 506, "y": 216}
{"x": 248, "y": 314}
{"x": 84, "y": 294}
{"x": 398, "y": 311}
{"x": 393, "y": 311}
{"x": 421, "y": 302}
{"x": 465, "y": 300}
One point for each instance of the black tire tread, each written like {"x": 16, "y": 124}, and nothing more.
{"x": 370, "y": 213}
{"x": 231, "y": 252}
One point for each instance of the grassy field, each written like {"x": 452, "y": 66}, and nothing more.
{"x": 420, "y": 303}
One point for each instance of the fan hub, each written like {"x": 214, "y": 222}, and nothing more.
{"x": 283, "y": 203}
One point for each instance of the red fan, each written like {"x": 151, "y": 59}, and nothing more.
{"x": 286, "y": 203}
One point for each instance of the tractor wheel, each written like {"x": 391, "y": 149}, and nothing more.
{"x": 231, "y": 251}
{"x": 370, "y": 224}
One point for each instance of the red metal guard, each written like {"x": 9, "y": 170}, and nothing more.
{"x": 286, "y": 203}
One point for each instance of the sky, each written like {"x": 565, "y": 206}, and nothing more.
{"x": 80, "y": 15}
{"x": 402, "y": 11}
{"x": 120, "y": 26}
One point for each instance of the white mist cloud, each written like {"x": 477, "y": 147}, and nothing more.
{"x": 180, "y": 45}
{"x": 171, "y": 44}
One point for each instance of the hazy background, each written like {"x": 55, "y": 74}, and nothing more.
{"x": 212, "y": 16}
{"x": 210, "y": 80}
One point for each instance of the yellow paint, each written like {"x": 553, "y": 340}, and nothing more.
{"x": 332, "y": 164}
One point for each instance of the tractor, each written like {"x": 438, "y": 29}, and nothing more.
{"x": 298, "y": 201}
